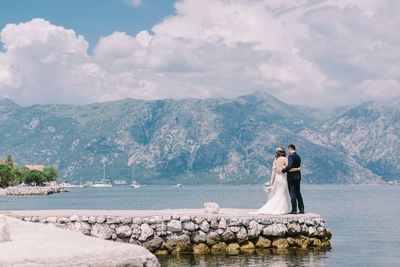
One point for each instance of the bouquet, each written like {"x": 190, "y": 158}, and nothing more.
{"x": 267, "y": 187}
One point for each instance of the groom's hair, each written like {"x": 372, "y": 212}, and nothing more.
{"x": 292, "y": 146}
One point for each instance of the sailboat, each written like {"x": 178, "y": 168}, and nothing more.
{"x": 103, "y": 183}
{"x": 134, "y": 184}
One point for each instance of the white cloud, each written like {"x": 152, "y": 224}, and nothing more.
{"x": 306, "y": 52}
{"x": 381, "y": 88}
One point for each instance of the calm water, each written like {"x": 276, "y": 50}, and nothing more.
{"x": 364, "y": 220}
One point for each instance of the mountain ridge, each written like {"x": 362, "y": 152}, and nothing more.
{"x": 213, "y": 140}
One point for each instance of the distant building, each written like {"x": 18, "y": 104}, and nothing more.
{"x": 35, "y": 167}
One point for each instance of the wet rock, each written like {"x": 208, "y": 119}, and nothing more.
{"x": 247, "y": 246}
{"x": 233, "y": 249}
{"x": 219, "y": 248}
{"x": 263, "y": 242}
{"x": 280, "y": 243}
{"x": 201, "y": 249}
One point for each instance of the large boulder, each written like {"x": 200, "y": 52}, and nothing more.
{"x": 211, "y": 208}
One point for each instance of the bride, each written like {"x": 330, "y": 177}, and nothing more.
{"x": 278, "y": 199}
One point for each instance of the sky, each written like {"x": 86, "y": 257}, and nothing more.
{"x": 321, "y": 53}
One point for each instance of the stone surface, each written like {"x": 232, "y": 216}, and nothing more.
{"x": 211, "y": 207}
{"x": 178, "y": 243}
{"x": 123, "y": 231}
{"x": 233, "y": 249}
{"x": 263, "y": 242}
{"x": 174, "y": 226}
{"x": 219, "y": 248}
{"x": 275, "y": 230}
{"x": 280, "y": 243}
{"x": 228, "y": 236}
{"x": 248, "y": 245}
{"x": 35, "y": 244}
{"x": 201, "y": 249}
{"x": 146, "y": 232}
{"x": 199, "y": 237}
{"x": 183, "y": 229}
{"x": 4, "y": 229}
{"x": 212, "y": 238}
{"x": 189, "y": 226}
{"x": 153, "y": 243}
{"x": 242, "y": 235}
{"x": 205, "y": 226}
{"x": 101, "y": 231}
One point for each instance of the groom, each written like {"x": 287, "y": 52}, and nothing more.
{"x": 293, "y": 179}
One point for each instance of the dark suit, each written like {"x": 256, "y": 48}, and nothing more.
{"x": 294, "y": 179}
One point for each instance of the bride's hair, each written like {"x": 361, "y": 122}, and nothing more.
{"x": 280, "y": 152}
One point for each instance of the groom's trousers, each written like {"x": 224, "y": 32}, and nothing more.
{"x": 295, "y": 195}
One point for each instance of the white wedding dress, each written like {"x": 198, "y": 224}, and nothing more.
{"x": 278, "y": 199}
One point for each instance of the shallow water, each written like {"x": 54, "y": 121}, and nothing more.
{"x": 364, "y": 219}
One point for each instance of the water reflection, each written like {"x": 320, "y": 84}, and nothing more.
{"x": 266, "y": 257}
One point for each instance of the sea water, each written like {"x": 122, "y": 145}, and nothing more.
{"x": 364, "y": 219}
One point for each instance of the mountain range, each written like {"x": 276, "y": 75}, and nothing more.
{"x": 203, "y": 141}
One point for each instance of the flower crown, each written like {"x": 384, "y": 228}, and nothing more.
{"x": 279, "y": 149}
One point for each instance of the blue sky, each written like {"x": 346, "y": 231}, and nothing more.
{"x": 324, "y": 53}
{"x": 91, "y": 18}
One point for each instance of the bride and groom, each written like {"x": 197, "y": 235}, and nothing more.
{"x": 285, "y": 181}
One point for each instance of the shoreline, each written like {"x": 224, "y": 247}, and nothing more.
{"x": 191, "y": 231}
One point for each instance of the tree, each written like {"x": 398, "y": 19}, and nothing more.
{"x": 34, "y": 177}
{"x": 19, "y": 174}
{"x": 6, "y": 175}
{"x": 51, "y": 174}
{"x": 9, "y": 161}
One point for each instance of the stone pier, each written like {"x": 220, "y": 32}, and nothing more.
{"x": 231, "y": 231}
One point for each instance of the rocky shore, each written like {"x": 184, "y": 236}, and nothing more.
{"x": 32, "y": 190}
{"x": 193, "y": 231}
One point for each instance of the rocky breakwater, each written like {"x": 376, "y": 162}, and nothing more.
{"x": 32, "y": 190}
{"x": 172, "y": 231}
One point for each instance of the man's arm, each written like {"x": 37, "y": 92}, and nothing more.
{"x": 290, "y": 164}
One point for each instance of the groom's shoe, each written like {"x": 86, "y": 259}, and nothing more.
{"x": 293, "y": 212}
{"x": 301, "y": 212}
